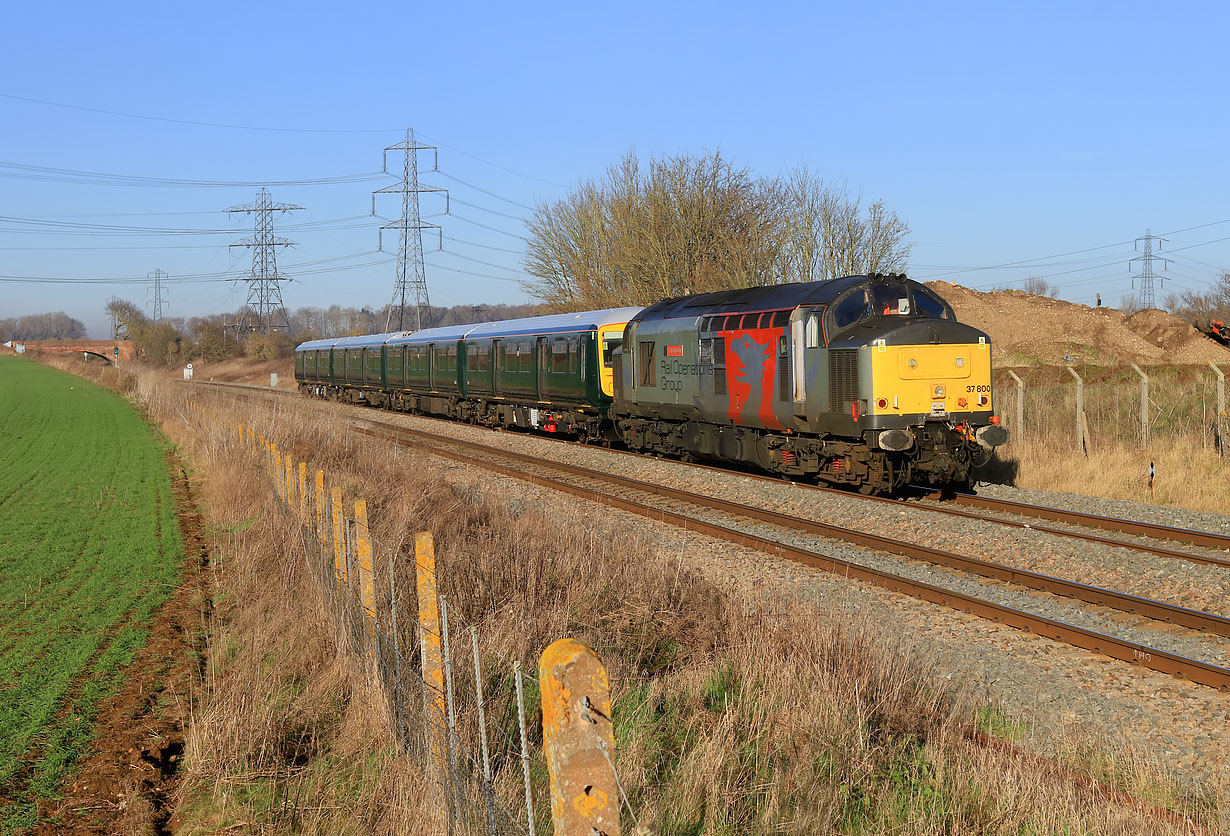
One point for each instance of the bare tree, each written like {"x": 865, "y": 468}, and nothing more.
{"x": 827, "y": 234}
{"x": 678, "y": 225}
{"x": 1202, "y": 306}
{"x": 1039, "y": 286}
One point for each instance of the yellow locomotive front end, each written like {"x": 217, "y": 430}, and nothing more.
{"x": 933, "y": 381}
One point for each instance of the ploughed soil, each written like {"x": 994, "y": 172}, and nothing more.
{"x": 125, "y": 785}
{"x": 1031, "y": 330}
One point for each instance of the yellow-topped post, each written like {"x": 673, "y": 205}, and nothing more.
{"x": 363, "y": 552}
{"x": 579, "y": 740}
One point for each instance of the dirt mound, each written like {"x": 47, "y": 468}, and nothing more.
{"x": 1028, "y": 330}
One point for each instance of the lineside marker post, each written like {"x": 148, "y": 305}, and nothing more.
{"x": 367, "y": 592}
{"x": 432, "y": 657}
{"x": 1221, "y": 409}
{"x": 1080, "y": 410}
{"x": 579, "y": 740}
{"x": 1019, "y": 429}
{"x": 1144, "y": 406}
{"x": 335, "y": 509}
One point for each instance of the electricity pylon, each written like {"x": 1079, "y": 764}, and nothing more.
{"x": 411, "y": 273}
{"x": 264, "y": 309}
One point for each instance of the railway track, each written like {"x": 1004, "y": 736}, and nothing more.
{"x": 960, "y": 505}
{"x": 475, "y": 454}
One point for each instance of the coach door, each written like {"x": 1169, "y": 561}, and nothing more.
{"x": 497, "y": 363}
{"x": 431, "y": 367}
{"x": 540, "y": 351}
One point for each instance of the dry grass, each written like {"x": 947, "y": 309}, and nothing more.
{"x": 712, "y": 738}
{"x": 1188, "y": 475}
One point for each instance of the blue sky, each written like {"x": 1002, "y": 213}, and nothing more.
{"x": 998, "y": 134}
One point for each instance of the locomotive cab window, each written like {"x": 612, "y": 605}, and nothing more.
{"x": 889, "y": 300}
{"x": 610, "y": 342}
{"x": 849, "y": 310}
{"x": 928, "y": 304}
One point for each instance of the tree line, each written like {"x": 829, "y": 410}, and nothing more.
{"x": 44, "y": 326}
{"x": 177, "y": 340}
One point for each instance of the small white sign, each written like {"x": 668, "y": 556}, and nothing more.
{"x": 273, "y": 380}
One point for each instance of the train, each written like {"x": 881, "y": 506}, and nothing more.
{"x": 867, "y": 381}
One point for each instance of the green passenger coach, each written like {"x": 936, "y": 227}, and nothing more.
{"x": 552, "y": 373}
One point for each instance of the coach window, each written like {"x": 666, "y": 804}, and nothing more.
{"x": 484, "y": 357}
{"x": 471, "y": 357}
{"x": 526, "y": 350}
{"x": 649, "y": 367}
{"x": 559, "y": 355}
{"x": 573, "y": 353}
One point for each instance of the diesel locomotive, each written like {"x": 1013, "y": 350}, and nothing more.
{"x": 865, "y": 381}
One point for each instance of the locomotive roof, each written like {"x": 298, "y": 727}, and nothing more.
{"x": 527, "y": 326}
{"x": 772, "y": 297}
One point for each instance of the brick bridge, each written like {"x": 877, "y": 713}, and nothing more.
{"x": 102, "y": 348}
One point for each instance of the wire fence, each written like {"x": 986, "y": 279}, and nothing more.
{"x": 468, "y": 714}
{"x": 1127, "y": 406}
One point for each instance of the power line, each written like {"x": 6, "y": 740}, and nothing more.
{"x": 518, "y": 218}
{"x": 484, "y": 191}
{"x": 198, "y": 123}
{"x": 26, "y": 171}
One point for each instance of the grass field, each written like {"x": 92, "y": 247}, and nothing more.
{"x": 89, "y": 547}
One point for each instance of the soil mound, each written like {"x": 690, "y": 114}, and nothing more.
{"x": 1030, "y": 330}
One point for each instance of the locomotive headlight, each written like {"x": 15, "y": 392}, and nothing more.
{"x": 939, "y": 390}
{"x": 960, "y": 361}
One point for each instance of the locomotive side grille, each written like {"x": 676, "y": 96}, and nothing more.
{"x": 843, "y": 378}
{"x": 783, "y": 377}
{"x": 719, "y": 381}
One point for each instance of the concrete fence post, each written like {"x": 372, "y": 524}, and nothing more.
{"x": 367, "y": 589}
{"x": 397, "y": 698}
{"x": 455, "y": 796}
{"x": 303, "y": 493}
{"x": 321, "y": 531}
{"x": 339, "y": 564}
{"x": 1019, "y": 429}
{"x": 482, "y": 732}
{"x": 579, "y": 740}
{"x": 1220, "y": 421}
{"x": 1080, "y": 409}
{"x": 432, "y": 659}
{"x": 1144, "y": 406}
{"x": 525, "y": 746}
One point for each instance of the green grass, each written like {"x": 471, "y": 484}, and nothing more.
{"x": 89, "y": 547}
